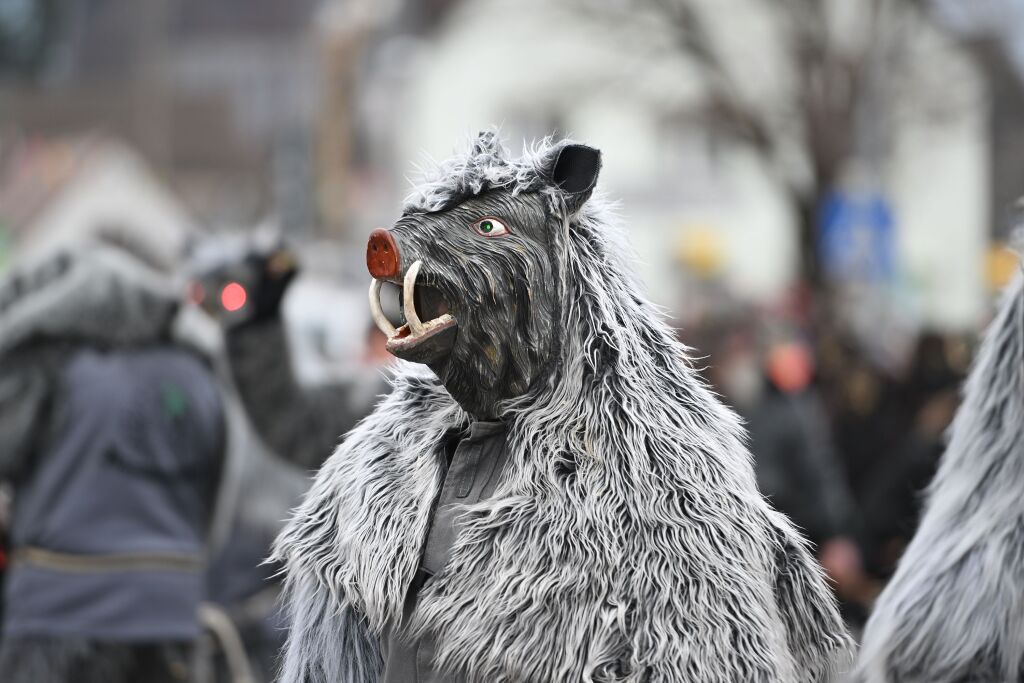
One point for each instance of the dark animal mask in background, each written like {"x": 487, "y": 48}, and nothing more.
{"x": 478, "y": 271}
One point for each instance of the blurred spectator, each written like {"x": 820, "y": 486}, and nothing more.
{"x": 894, "y": 490}
{"x": 865, "y": 406}
{"x": 850, "y": 470}
{"x": 112, "y": 433}
{"x": 794, "y": 458}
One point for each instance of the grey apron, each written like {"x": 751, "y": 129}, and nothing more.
{"x": 473, "y": 474}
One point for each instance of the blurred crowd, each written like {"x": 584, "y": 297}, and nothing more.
{"x": 843, "y": 443}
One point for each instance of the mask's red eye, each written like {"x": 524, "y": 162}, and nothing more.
{"x": 233, "y": 296}
{"x": 490, "y": 227}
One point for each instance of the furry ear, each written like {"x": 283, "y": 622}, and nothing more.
{"x": 573, "y": 169}
{"x": 576, "y": 168}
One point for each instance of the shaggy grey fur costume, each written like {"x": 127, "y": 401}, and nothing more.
{"x": 626, "y": 540}
{"x": 954, "y": 610}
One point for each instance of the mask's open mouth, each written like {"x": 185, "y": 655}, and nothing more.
{"x": 429, "y": 330}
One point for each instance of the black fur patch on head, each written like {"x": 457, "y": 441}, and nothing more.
{"x": 500, "y": 289}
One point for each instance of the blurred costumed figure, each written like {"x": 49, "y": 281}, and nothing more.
{"x": 112, "y": 430}
{"x": 242, "y": 282}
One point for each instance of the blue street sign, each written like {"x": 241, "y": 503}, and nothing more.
{"x": 856, "y": 239}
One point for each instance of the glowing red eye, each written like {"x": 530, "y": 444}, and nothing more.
{"x": 233, "y": 296}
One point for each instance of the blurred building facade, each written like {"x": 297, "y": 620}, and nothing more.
{"x": 62, "y": 190}
{"x": 313, "y": 113}
{"x": 534, "y": 67}
{"x": 219, "y": 97}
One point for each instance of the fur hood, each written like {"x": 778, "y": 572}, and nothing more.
{"x": 86, "y": 292}
{"x": 954, "y": 610}
{"x": 626, "y": 541}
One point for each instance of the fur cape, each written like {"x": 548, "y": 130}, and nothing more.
{"x": 626, "y": 541}
{"x": 954, "y": 610}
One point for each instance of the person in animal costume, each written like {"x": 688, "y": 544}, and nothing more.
{"x": 549, "y": 493}
{"x": 111, "y": 428}
{"x": 954, "y": 609}
{"x": 242, "y": 282}
{"x": 144, "y": 497}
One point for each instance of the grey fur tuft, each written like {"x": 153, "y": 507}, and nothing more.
{"x": 954, "y": 611}
{"x": 627, "y": 541}
{"x": 486, "y": 166}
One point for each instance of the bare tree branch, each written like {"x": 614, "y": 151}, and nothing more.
{"x": 837, "y": 82}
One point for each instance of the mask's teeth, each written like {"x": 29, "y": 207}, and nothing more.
{"x": 383, "y": 324}
{"x": 408, "y": 299}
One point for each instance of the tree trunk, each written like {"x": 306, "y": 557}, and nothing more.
{"x": 810, "y": 271}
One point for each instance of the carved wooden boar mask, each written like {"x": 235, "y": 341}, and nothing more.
{"x": 476, "y": 254}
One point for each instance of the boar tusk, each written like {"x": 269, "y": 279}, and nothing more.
{"x": 408, "y": 302}
{"x": 383, "y": 324}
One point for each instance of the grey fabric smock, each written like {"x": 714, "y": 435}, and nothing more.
{"x": 472, "y": 475}
{"x": 109, "y": 526}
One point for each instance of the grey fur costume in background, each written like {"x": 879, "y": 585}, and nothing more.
{"x": 626, "y": 542}
{"x": 317, "y": 415}
{"x": 954, "y": 610}
{"x": 85, "y": 292}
